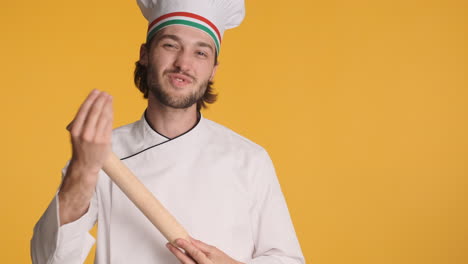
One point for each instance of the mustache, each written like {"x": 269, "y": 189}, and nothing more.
{"x": 179, "y": 72}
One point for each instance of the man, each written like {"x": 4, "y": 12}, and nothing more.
{"x": 220, "y": 186}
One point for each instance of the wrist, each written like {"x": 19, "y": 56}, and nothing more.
{"x": 78, "y": 185}
{"x": 82, "y": 167}
{"x": 76, "y": 192}
{"x": 71, "y": 206}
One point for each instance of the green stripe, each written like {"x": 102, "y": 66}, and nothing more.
{"x": 187, "y": 23}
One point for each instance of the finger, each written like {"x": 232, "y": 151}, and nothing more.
{"x": 70, "y": 125}
{"x": 104, "y": 124}
{"x": 180, "y": 255}
{"x": 205, "y": 248}
{"x": 77, "y": 123}
{"x": 89, "y": 126}
{"x": 108, "y": 129}
{"x": 192, "y": 251}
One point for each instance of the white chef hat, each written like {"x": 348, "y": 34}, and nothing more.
{"x": 210, "y": 16}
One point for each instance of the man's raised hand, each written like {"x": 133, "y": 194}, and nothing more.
{"x": 91, "y": 132}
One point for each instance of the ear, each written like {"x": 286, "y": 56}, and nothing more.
{"x": 214, "y": 72}
{"x": 144, "y": 52}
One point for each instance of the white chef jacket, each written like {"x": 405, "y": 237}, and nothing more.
{"x": 219, "y": 185}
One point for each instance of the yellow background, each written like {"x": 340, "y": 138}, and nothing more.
{"x": 361, "y": 104}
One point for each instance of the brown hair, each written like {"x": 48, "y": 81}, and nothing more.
{"x": 140, "y": 80}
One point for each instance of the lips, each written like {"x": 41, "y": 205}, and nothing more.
{"x": 178, "y": 79}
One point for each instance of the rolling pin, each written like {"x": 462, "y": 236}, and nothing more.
{"x": 144, "y": 199}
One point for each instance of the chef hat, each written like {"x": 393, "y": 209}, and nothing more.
{"x": 210, "y": 16}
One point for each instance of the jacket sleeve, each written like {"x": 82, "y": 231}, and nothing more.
{"x": 274, "y": 236}
{"x": 70, "y": 243}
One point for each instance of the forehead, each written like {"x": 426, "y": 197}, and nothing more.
{"x": 186, "y": 34}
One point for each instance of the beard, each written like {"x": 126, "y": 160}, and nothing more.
{"x": 166, "y": 98}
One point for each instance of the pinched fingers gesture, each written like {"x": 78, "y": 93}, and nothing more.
{"x": 91, "y": 131}
{"x": 197, "y": 252}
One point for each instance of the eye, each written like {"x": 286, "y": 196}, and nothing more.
{"x": 202, "y": 54}
{"x": 169, "y": 46}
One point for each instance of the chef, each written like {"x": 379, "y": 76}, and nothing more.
{"x": 219, "y": 185}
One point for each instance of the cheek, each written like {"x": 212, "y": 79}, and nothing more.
{"x": 157, "y": 68}
{"x": 206, "y": 70}
{"x": 160, "y": 61}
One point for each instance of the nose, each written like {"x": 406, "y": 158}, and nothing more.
{"x": 183, "y": 61}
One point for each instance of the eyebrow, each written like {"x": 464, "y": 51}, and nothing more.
{"x": 176, "y": 38}
{"x": 173, "y": 37}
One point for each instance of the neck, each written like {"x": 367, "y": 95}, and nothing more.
{"x": 168, "y": 121}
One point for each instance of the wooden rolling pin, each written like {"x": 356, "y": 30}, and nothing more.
{"x": 144, "y": 199}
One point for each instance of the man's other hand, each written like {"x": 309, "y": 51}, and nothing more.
{"x": 197, "y": 252}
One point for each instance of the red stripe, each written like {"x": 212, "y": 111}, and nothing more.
{"x": 187, "y": 15}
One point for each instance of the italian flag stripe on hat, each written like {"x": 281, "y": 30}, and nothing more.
{"x": 188, "y": 19}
